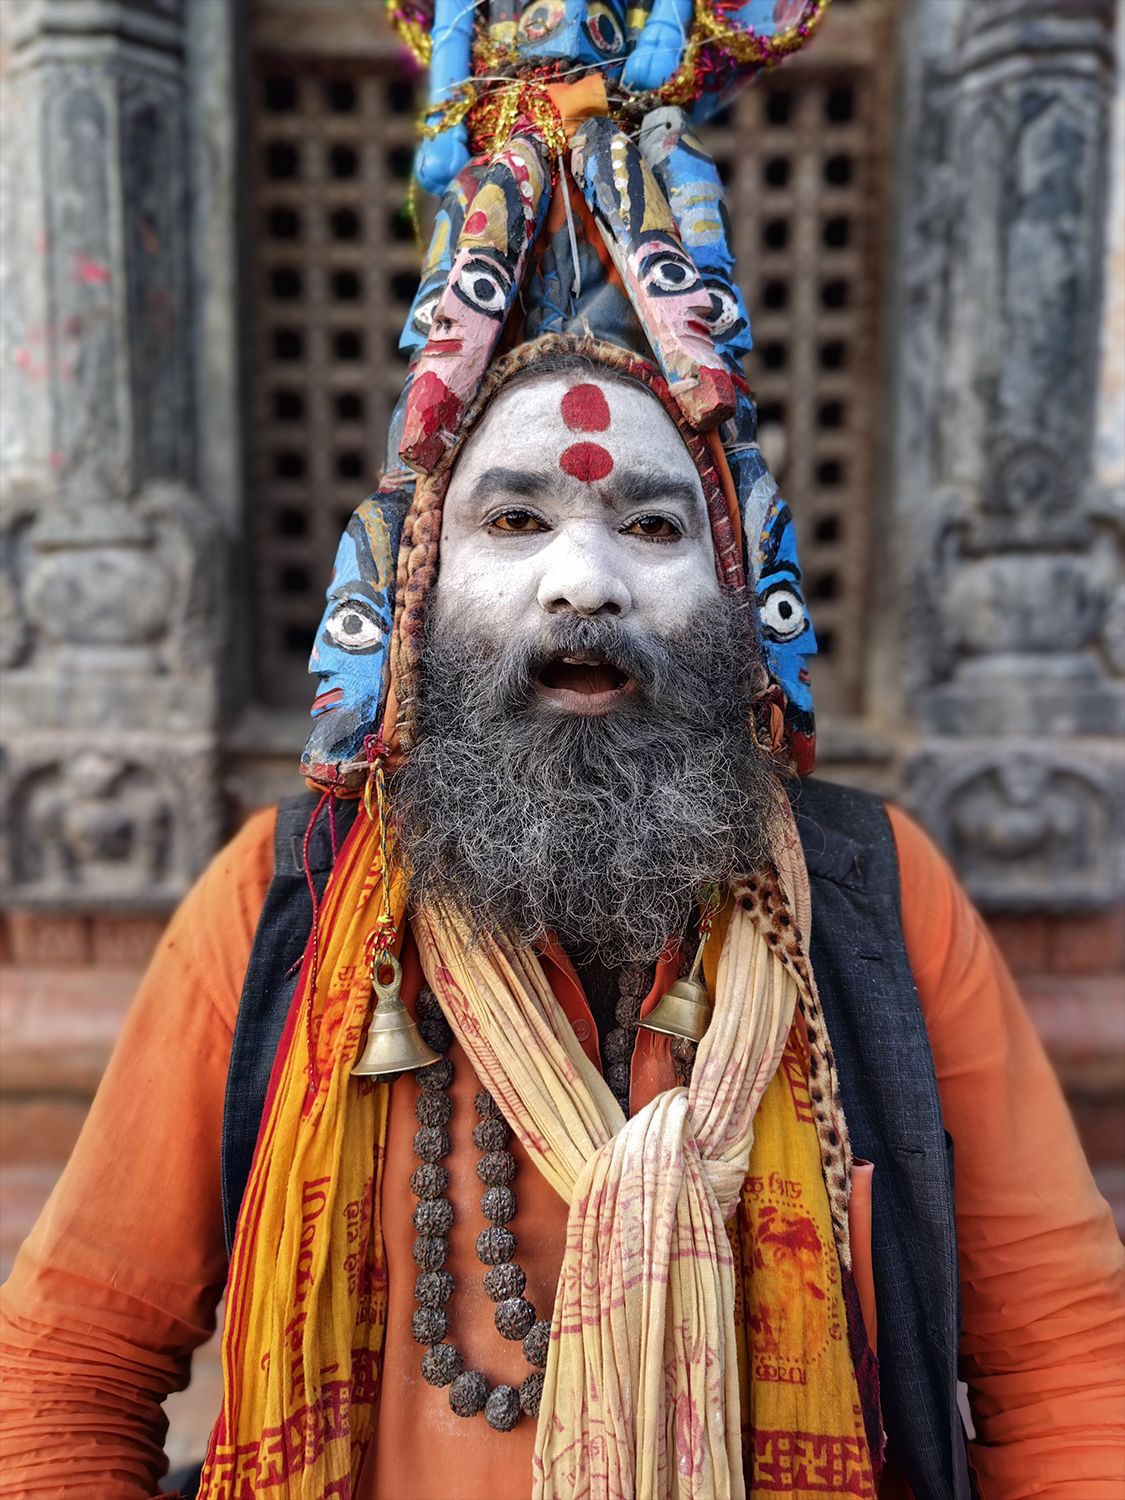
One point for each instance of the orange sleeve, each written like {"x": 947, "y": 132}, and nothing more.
{"x": 1042, "y": 1268}
{"x": 119, "y": 1280}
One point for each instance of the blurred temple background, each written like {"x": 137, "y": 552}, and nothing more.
{"x": 206, "y": 263}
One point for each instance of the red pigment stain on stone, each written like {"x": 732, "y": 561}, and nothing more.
{"x": 586, "y": 461}
{"x": 585, "y": 409}
{"x": 476, "y": 223}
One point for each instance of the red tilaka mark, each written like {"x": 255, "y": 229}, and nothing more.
{"x": 585, "y": 409}
{"x": 586, "y": 461}
{"x": 476, "y": 223}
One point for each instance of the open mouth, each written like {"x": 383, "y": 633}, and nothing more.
{"x": 584, "y": 684}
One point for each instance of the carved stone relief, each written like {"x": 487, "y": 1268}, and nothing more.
{"x": 104, "y": 820}
{"x": 1032, "y": 830}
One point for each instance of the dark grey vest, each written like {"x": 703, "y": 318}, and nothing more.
{"x": 886, "y": 1077}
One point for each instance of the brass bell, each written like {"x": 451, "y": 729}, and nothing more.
{"x": 685, "y": 1009}
{"x": 394, "y": 1043}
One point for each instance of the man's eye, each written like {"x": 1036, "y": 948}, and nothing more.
{"x": 658, "y": 528}
{"x": 517, "y": 520}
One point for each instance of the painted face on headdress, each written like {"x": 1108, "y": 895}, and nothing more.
{"x": 500, "y": 225}
{"x": 448, "y": 223}
{"x": 787, "y": 631}
{"x": 663, "y": 282}
{"x": 350, "y": 652}
{"x": 691, "y": 184}
{"x": 584, "y": 33}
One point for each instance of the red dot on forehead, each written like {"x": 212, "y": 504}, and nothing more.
{"x": 476, "y": 223}
{"x": 585, "y": 409}
{"x": 586, "y": 461}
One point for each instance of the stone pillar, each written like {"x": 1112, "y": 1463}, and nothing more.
{"x": 1008, "y": 549}
{"x": 110, "y": 571}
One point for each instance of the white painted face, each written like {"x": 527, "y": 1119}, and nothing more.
{"x": 574, "y": 495}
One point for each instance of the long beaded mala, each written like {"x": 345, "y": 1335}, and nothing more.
{"x": 470, "y": 1391}
{"x": 516, "y": 1319}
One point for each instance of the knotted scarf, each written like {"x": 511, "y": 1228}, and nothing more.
{"x": 651, "y": 1374}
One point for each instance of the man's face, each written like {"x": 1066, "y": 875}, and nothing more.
{"x": 583, "y": 763}
{"x": 575, "y": 498}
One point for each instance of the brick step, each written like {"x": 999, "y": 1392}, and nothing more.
{"x": 1101, "y": 1127}
{"x": 44, "y": 939}
{"x": 1086, "y": 943}
{"x": 23, "y": 1191}
{"x": 1081, "y": 1022}
{"x": 58, "y": 1026}
{"x": 39, "y": 1129}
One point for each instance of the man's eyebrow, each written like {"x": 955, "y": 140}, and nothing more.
{"x": 524, "y": 484}
{"x": 625, "y": 490}
{"x": 631, "y": 487}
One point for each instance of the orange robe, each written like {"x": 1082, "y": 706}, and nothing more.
{"x": 119, "y": 1280}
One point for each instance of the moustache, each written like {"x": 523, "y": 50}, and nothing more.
{"x": 649, "y": 662}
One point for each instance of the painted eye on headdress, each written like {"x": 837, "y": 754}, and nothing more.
{"x": 604, "y": 28}
{"x": 782, "y": 613}
{"x": 354, "y": 626}
{"x": 541, "y": 18}
{"x": 724, "y": 314}
{"x": 668, "y": 273}
{"x": 482, "y": 285}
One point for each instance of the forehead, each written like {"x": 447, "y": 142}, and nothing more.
{"x": 579, "y": 425}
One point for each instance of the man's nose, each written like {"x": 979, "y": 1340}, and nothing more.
{"x": 581, "y": 576}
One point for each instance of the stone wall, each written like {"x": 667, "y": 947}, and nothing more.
{"x": 1007, "y": 546}
{"x": 113, "y": 603}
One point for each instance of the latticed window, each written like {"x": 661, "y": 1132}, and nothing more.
{"x": 334, "y": 265}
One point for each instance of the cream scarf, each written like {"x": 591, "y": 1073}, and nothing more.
{"x": 641, "y": 1395}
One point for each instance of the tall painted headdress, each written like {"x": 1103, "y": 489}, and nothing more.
{"x": 579, "y": 212}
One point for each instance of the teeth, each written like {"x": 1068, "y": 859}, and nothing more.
{"x": 580, "y": 661}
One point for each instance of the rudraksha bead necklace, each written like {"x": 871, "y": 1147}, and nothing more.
{"x": 470, "y": 1391}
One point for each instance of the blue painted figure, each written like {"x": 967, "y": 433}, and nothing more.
{"x": 352, "y": 640}
{"x": 586, "y": 33}
{"x": 440, "y": 158}
{"x": 787, "y": 631}
{"x": 659, "y": 46}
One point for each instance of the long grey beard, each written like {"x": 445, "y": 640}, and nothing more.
{"x": 601, "y": 830}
